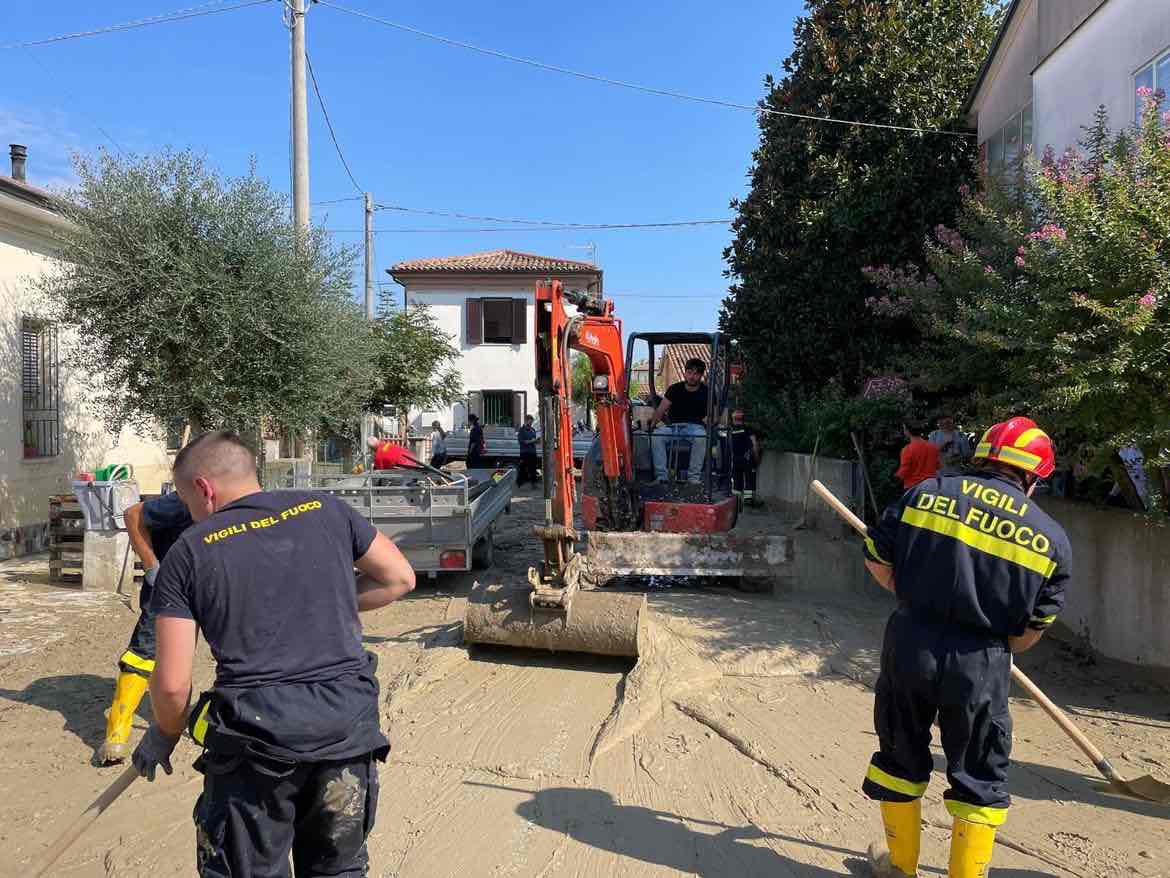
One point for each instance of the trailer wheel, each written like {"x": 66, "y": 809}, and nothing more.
{"x": 483, "y": 552}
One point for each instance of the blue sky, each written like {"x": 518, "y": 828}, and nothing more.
{"x": 426, "y": 125}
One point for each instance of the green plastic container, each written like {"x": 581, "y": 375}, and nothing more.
{"x": 114, "y": 472}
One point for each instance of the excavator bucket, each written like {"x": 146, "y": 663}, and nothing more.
{"x": 598, "y": 622}
{"x": 756, "y": 558}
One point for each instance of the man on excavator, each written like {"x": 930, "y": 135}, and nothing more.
{"x": 685, "y": 405}
{"x": 980, "y": 572}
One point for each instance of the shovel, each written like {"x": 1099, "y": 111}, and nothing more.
{"x": 1147, "y": 788}
{"x": 82, "y": 823}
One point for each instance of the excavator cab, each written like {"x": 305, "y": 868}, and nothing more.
{"x": 681, "y": 481}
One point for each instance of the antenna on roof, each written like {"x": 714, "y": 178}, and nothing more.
{"x": 590, "y": 247}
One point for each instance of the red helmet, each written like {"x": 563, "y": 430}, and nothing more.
{"x": 1020, "y": 443}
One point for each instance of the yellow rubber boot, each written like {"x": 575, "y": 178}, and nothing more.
{"x": 971, "y": 845}
{"x": 128, "y": 692}
{"x": 903, "y": 824}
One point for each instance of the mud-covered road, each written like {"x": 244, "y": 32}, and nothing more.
{"x": 735, "y": 747}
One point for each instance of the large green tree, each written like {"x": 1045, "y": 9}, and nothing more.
{"x": 195, "y": 296}
{"x": 828, "y": 199}
{"x": 414, "y": 360}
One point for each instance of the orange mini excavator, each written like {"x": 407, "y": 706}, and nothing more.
{"x": 637, "y": 525}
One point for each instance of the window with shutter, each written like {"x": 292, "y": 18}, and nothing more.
{"x": 475, "y": 321}
{"x": 497, "y": 321}
{"x": 519, "y": 321}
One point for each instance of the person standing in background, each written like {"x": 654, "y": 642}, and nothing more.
{"x": 954, "y": 449}
{"x": 919, "y": 458}
{"x": 476, "y": 447}
{"x": 438, "y": 445}
{"x": 526, "y": 437}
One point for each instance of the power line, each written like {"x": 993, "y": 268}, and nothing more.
{"x": 337, "y": 200}
{"x": 77, "y": 104}
{"x": 575, "y": 227}
{"x": 662, "y": 92}
{"x": 213, "y": 8}
{"x": 329, "y": 125}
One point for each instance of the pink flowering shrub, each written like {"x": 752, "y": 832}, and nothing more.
{"x": 1053, "y": 294}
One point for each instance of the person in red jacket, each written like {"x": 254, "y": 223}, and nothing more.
{"x": 919, "y": 459}
{"x": 388, "y": 455}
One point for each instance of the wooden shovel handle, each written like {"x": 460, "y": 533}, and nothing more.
{"x": 82, "y": 823}
{"x": 840, "y": 508}
{"x": 1058, "y": 715}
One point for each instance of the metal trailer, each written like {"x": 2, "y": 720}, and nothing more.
{"x": 441, "y": 521}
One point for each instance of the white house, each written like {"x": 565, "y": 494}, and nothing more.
{"x": 47, "y": 432}
{"x": 1054, "y": 62}
{"x": 487, "y": 302}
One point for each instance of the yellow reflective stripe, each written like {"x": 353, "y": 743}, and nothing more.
{"x": 137, "y": 662}
{"x": 984, "y": 814}
{"x": 1015, "y": 456}
{"x": 199, "y": 730}
{"x": 1044, "y": 620}
{"x": 987, "y": 543}
{"x": 1027, "y": 436}
{"x": 869, "y": 544}
{"x": 905, "y": 787}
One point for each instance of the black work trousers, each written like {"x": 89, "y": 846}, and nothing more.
{"x": 743, "y": 478}
{"x": 527, "y": 473}
{"x": 139, "y": 655}
{"x": 252, "y": 815}
{"x": 961, "y": 677}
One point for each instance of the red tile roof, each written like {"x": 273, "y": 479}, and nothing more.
{"x": 673, "y": 359}
{"x": 497, "y": 261}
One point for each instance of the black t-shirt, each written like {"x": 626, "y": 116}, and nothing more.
{"x": 742, "y": 452}
{"x": 166, "y": 517}
{"x": 974, "y": 551}
{"x": 269, "y": 580}
{"x": 475, "y": 441}
{"x": 686, "y": 406}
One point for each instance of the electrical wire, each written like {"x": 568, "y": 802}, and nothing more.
{"x": 69, "y": 96}
{"x": 337, "y": 200}
{"x": 329, "y": 125}
{"x": 662, "y": 92}
{"x": 573, "y": 227}
{"x": 213, "y": 8}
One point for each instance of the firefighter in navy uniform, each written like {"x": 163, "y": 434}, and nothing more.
{"x": 153, "y": 526}
{"x": 290, "y": 728}
{"x": 745, "y": 457}
{"x": 979, "y": 571}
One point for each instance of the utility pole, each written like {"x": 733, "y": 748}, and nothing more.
{"x": 369, "y": 256}
{"x": 300, "y": 118}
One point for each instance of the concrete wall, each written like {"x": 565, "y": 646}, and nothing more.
{"x": 1119, "y": 598}
{"x": 1095, "y": 66}
{"x": 826, "y": 551}
{"x": 25, "y": 484}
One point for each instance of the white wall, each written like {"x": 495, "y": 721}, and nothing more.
{"x": 1095, "y": 66}
{"x": 25, "y": 485}
{"x": 483, "y": 366}
{"x": 1008, "y": 86}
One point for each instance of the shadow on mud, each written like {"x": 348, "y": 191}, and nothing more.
{"x": 82, "y": 701}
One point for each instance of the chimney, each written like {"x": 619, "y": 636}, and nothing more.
{"x": 18, "y": 152}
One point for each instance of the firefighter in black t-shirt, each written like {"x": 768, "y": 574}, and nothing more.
{"x": 745, "y": 457}
{"x": 290, "y": 728}
{"x": 980, "y": 572}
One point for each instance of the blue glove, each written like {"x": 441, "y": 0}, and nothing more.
{"x": 151, "y": 575}
{"x": 153, "y": 750}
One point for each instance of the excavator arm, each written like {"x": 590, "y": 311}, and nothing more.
{"x": 595, "y": 332}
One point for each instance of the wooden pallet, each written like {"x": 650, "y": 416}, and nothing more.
{"x": 67, "y": 542}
